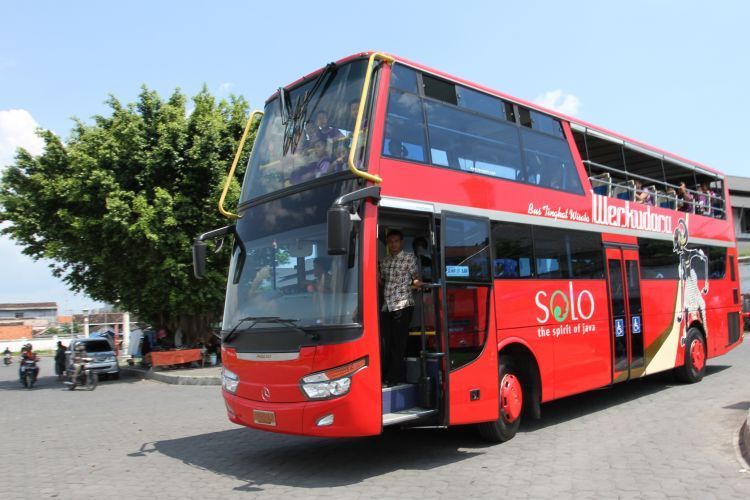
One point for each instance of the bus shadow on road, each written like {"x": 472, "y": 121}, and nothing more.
{"x": 258, "y": 458}
{"x": 562, "y": 410}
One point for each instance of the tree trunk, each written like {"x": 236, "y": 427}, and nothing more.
{"x": 195, "y": 328}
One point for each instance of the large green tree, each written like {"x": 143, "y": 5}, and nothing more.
{"x": 117, "y": 206}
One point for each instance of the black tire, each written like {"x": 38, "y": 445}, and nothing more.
{"x": 91, "y": 381}
{"x": 506, "y": 426}
{"x": 28, "y": 381}
{"x": 694, "y": 366}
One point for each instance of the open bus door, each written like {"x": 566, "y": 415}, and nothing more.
{"x": 469, "y": 340}
{"x": 626, "y": 317}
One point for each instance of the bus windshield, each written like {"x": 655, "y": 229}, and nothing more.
{"x": 312, "y": 139}
{"x": 280, "y": 266}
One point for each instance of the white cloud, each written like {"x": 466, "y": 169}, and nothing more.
{"x": 17, "y": 130}
{"x": 224, "y": 88}
{"x": 559, "y": 101}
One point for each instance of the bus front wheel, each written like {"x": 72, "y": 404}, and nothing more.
{"x": 695, "y": 358}
{"x": 511, "y": 404}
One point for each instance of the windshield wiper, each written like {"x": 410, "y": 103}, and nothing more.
{"x": 260, "y": 319}
{"x": 284, "y": 105}
{"x": 295, "y": 124}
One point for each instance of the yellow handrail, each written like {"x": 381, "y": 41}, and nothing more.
{"x": 230, "y": 175}
{"x": 358, "y": 123}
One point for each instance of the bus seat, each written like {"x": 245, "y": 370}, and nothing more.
{"x": 625, "y": 190}
{"x": 665, "y": 200}
{"x": 507, "y": 268}
{"x": 601, "y": 184}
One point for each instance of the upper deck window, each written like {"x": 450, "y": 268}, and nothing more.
{"x": 549, "y": 163}
{"x": 546, "y": 124}
{"x": 404, "y": 78}
{"x": 483, "y": 103}
{"x": 439, "y": 89}
{"x": 319, "y": 144}
{"x": 405, "y": 137}
{"x": 473, "y": 143}
{"x": 476, "y": 132}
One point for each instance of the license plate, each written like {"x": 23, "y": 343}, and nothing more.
{"x": 262, "y": 417}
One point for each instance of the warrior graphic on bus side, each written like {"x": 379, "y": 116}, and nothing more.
{"x": 693, "y": 306}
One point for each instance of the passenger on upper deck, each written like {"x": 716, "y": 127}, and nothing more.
{"x": 397, "y": 149}
{"x": 343, "y": 142}
{"x": 321, "y": 130}
{"x": 642, "y": 195}
{"x": 684, "y": 198}
{"x": 320, "y": 165}
{"x": 703, "y": 205}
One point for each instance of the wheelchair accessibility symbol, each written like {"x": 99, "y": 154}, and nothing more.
{"x": 636, "y": 320}
{"x": 619, "y": 328}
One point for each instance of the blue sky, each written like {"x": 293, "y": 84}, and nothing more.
{"x": 673, "y": 74}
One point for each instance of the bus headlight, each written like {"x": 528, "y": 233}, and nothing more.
{"x": 331, "y": 383}
{"x": 229, "y": 380}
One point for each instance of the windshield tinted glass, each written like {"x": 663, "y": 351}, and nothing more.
{"x": 285, "y": 271}
{"x": 97, "y": 346}
{"x": 325, "y": 126}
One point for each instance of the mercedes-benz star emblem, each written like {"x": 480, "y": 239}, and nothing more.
{"x": 266, "y": 393}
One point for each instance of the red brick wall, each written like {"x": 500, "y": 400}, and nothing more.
{"x": 14, "y": 332}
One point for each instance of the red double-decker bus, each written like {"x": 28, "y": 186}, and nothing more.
{"x": 554, "y": 256}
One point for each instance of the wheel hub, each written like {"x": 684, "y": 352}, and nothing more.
{"x": 697, "y": 354}
{"x": 511, "y": 398}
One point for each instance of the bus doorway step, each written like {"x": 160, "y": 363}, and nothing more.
{"x": 402, "y": 416}
{"x": 400, "y": 397}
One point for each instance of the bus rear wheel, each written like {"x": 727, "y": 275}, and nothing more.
{"x": 694, "y": 367}
{"x": 511, "y": 404}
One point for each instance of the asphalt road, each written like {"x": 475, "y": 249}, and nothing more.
{"x": 142, "y": 439}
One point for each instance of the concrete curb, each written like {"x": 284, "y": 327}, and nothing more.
{"x": 171, "y": 378}
{"x": 744, "y": 441}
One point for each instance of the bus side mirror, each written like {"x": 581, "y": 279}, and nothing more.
{"x": 339, "y": 230}
{"x": 199, "y": 259}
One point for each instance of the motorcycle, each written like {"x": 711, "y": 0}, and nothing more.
{"x": 8, "y": 359}
{"x": 86, "y": 377}
{"x": 29, "y": 372}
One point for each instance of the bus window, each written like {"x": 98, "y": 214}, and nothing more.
{"x": 546, "y": 124}
{"x": 658, "y": 260}
{"x": 585, "y": 252}
{"x": 717, "y": 262}
{"x": 439, "y": 89}
{"x": 514, "y": 251}
{"x": 467, "y": 251}
{"x": 549, "y": 253}
{"x": 524, "y": 115}
{"x": 483, "y": 103}
{"x": 474, "y": 143}
{"x": 404, "y": 137}
{"x": 549, "y": 163}
{"x": 404, "y": 78}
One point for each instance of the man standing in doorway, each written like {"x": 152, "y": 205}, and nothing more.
{"x": 399, "y": 273}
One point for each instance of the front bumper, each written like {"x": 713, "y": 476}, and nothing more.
{"x": 107, "y": 367}
{"x": 302, "y": 418}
